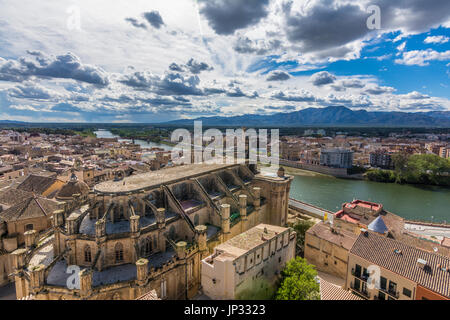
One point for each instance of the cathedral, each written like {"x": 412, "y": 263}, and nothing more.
{"x": 146, "y": 233}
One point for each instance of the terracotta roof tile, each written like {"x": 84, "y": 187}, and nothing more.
{"x": 330, "y": 291}
{"x": 381, "y": 251}
{"x": 32, "y": 207}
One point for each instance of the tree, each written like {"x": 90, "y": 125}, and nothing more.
{"x": 301, "y": 227}
{"x": 260, "y": 289}
{"x": 299, "y": 281}
{"x": 400, "y": 160}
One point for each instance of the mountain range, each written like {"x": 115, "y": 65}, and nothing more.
{"x": 330, "y": 116}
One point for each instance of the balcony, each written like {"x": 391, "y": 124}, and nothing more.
{"x": 362, "y": 292}
{"x": 393, "y": 293}
{"x": 363, "y": 276}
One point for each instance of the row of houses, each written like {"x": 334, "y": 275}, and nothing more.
{"x": 370, "y": 250}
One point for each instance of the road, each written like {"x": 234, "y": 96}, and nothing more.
{"x": 428, "y": 230}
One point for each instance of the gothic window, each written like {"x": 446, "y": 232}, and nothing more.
{"x": 87, "y": 254}
{"x": 196, "y": 220}
{"x": 172, "y": 232}
{"x": 147, "y": 246}
{"x": 119, "y": 252}
{"x": 190, "y": 270}
{"x": 155, "y": 242}
{"x": 163, "y": 288}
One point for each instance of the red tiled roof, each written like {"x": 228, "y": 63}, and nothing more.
{"x": 381, "y": 251}
{"x": 330, "y": 291}
{"x": 149, "y": 296}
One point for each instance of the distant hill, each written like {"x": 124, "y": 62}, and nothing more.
{"x": 331, "y": 116}
{"x": 11, "y": 122}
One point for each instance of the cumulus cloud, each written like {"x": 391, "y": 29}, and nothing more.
{"x": 259, "y": 47}
{"x": 236, "y": 92}
{"x": 193, "y": 66}
{"x": 301, "y": 96}
{"x": 171, "y": 83}
{"x": 67, "y": 66}
{"x": 402, "y": 46}
{"x": 416, "y": 96}
{"x": 227, "y": 16}
{"x": 139, "y": 79}
{"x": 422, "y": 57}
{"x": 176, "y": 67}
{"x": 154, "y": 18}
{"x": 436, "y": 39}
{"x": 324, "y": 24}
{"x": 321, "y": 78}
{"x": 196, "y": 67}
{"x": 278, "y": 76}
{"x": 32, "y": 91}
{"x": 349, "y": 83}
{"x": 335, "y": 29}
{"x": 413, "y": 16}
{"x": 135, "y": 23}
{"x": 377, "y": 90}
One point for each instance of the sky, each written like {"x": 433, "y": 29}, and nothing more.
{"x": 154, "y": 61}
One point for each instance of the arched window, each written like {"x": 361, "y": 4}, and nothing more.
{"x": 172, "y": 232}
{"x": 146, "y": 246}
{"x": 155, "y": 242}
{"x": 119, "y": 252}
{"x": 190, "y": 270}
{"x": 87, "y": 254}
{"x": 163, "y": 288}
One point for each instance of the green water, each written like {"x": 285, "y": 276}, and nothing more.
{"x": 427, "y": 203}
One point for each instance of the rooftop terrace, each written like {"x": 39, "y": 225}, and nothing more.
{"x": 250, "y": 239}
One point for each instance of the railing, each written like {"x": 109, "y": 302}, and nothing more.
{"x": 393, "y": 293}
{"x": 364, "y": 292}
{"x": 362, "y": 276}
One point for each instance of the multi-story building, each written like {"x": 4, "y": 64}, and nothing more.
{"x": 236, "y": 267}
{"x": 327, "y": 248}
{"x": 380, "y": 268}
{"x": 291, "y": 150}
{"x": 381, "y": 159}
{"x": 148, "y": 232}
{"x": 338, "y": 158}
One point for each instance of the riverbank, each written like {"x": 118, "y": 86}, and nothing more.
{"x": 412, "y": 202}
{"x": 335, "y": 172}
{"x": 144, "y": 143}
{"x": 302, "y": 172}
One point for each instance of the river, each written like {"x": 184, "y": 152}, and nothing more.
{"x": 426, "y": 203}
{"x": 144, "y": 144}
